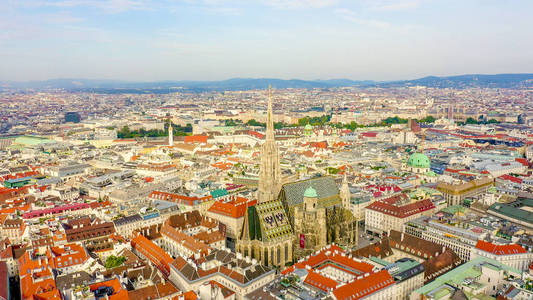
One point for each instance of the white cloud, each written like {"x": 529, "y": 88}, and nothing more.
{"x": 298, "y": 4}
{"x": 393, "y": 5}
{"x": 353, "y": 17}
{"x": 108, "y": 6}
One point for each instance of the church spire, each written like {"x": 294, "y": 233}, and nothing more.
{"x": 269, "y": 170}
{"x": 270, "y": 121}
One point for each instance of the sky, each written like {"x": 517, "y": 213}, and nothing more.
{"x": 152, "y": 40}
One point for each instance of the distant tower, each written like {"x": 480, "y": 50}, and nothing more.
{"x": 170, "y": 134}
{"x": 346, "y": 197}
{"x": 269, "y": 171}
{"x": 450, "y": 112}
{"x": 345, "y": 193}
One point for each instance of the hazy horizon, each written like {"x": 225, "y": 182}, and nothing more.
{"x": 253, "y": 78}
{"x": 210, "y": 40}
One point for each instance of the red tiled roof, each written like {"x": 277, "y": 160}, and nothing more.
{"x": 369, "y": 134}
{"x": 235, "y": 208}
{"x": 522, "y": 160}
{"x": 180, "y": 199}
{"x": 198, "y": 139}
{"x": 153, "y": 252}
{"x": 388, "y": 207}
{"x": 500, "y": 249}
{"x": 320, "y": 145}
{"x": 119, "y": 293}
{"x": 364, "y": 286}
{"x": 256, "y": 134}
{"x": 332, "y": 254}
{"x": 511, "y": 178}
{"x": 319, "y": 281}
{"x": 222, "y": 165}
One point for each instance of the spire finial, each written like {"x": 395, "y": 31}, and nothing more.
{"x": 270, "y": 121}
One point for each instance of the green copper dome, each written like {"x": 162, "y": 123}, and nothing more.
{"x": 418, "y": 160}
{"x": 308, "y": 127}
{"x": 310, "y": 192}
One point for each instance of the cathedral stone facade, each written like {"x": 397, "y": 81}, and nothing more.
{"x": 309, "y": 225}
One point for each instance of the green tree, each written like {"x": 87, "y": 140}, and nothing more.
{"x": 114, "y": 261}
{"x": 253, "y": 122}
{"x": 428, "y": 119}
{"x": 471, "y": 121}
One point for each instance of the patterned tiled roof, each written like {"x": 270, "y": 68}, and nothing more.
{"x": 266, "y": 222}
{"x": 325, "y": 187}
{"x": 273, "y": 219}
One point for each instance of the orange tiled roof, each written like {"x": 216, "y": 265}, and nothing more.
{"x": 187, "y": 241}
{"x": 154, "y": 253}
{"x": 500, "y": 249}
{"x": 387, "y": 207}
{"x": 364, "y": 285}
{"x": 180, "y": 199}
{"x": 119, "y": 293}
{"x": 320, "y": 282}
{"x": 334, "y": 254}
{"x": 191, "y": 139}
{"x": 235, "y": 208}
{"x": 222, "y": 165}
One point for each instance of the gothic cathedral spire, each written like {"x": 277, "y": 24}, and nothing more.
{"x": 269, "y": 171}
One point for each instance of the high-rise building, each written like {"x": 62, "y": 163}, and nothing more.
{"x": 72, "y": 116}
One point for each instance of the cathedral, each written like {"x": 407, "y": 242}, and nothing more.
{"x": 267, "y": 233}
{"x": 295, "y": 219}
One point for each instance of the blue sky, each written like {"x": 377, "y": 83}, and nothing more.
{"x": 221, "y": 39}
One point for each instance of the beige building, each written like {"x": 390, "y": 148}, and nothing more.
{"x": 391, "y": 213}
{"x": 455, "y": 194}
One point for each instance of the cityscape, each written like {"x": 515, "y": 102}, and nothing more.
{"x": 261, "y": 186}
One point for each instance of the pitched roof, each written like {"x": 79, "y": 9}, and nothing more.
{"x": 180, "y": 199}
{"x": 319, "y": 281}
{"x": 156, "y": 291}
{"x": 119, "y": 293}
{"x": 332, "y": 254}
{"x": 364, "y": 285}
{"x": 235, "y": 208}
{"x": 191, "y": 139}
{"x": 500, "y": 249}
{"x": 389, "y": 207}
{"x": 227, "y": 265}
{"x": 438, "y": 259}
{"x": 153, "y": 252}
{"x": 325, "y": 187}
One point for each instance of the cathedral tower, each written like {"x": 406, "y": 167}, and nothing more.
{"x": 345, "y": 193}
{"x": 269, "y": 171}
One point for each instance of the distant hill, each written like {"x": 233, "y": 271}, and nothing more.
{"x": 229, "y": 84}
{"x": 117, "y": 86}
{"x": 468, "y": 81}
